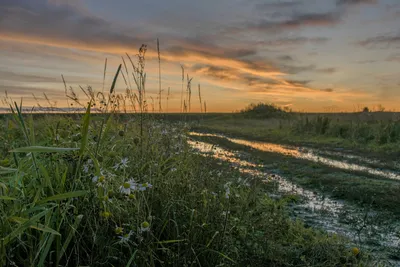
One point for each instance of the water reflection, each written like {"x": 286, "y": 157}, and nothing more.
{"x": 317, "y": 210}
{"x": 314, "y": 201}
{"x": 307, "y": 154}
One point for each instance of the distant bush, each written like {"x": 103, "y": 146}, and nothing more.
{"x": 263, "y": 110}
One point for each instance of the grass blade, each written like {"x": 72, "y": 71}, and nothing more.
{"x": 131, "y": 259}
{"x": 47, "y": 179}
{"x": 4, "y": 170}
{"x": 64, "y": 196}
{"x": 42, "y": 149}
{"x": 170, "y": 241}
{"x": 7, "y": 198}
{"x": 25, "y": 225}
{"x": 222, "y": 255}
{"x": 70, "y": 235}
{"x": 85, "y": 129}
{"x": 36, "y": 226}
{"x": 115, "y": 79}
{"x": 46, "y": 251}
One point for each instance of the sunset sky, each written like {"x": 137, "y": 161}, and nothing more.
{"x": 310, "y": 55}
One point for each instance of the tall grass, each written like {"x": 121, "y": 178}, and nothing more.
{"x": 361, "y": 130}
{"x": 201, "y": 105}
{"x": 183, "y": 79}
{"x": 112, "y": 190}
{"x": 165, "y": 207}
{"x": 159, "y": 76}
{"x": 375, "y": 129}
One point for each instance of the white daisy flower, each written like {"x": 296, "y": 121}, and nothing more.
{"x": 144, "y": 227}
{"x": 128, "y": 187}
{"x": 124, "y": 162}
{"x": 125, "y": 238}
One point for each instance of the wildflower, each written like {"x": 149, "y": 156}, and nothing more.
{"x": 132, "y": 196}
{"x": 116, "y": 166}
{"x": 105, "y": 214}
{"x": 124, "y": 162}
{"x": 99, "y": 179}
{"x": 355, "y": 251}
{"x": 125, "y": 238}
{"x": 144, "y": 227}
{"x": 173, "y": 170}
{"x": 143, "y": 187}
{"x": 227, "y": 190}
{"x": 87, "y": 166}
{"x": 118, "y": 230}
{"x": 127, "y": 187}
{"x": 225, "y": 213}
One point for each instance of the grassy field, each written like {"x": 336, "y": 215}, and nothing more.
{"x": 368, "y": 139}
{"x": 376, "y": 133}
{"x": 106, "y": 188}
{"x": 105, "y": 191}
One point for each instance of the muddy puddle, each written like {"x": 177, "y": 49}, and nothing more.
{"x": 311, "y": 155}
{"x": 315, "y": 209}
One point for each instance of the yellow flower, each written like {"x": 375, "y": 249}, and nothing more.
{"x": 355, "y": 251}
{"x": 127, "y": 185}
{"x": 132, "y": 196}
{"x": 102, "y": 178}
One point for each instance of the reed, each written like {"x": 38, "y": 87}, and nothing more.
{"x": 159, "y": 77}
{"x": 201, "y": 105}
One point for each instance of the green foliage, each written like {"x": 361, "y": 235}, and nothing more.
{"x": 377, "y": 132}
{"x": 163, "y": 205}
{"x": 263, "y": 110}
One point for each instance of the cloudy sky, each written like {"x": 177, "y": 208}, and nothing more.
{"x": 310, "y": 55}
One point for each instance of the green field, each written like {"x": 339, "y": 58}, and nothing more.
{"x": 97, "y": 192}
{"x": 107, "y": 187}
